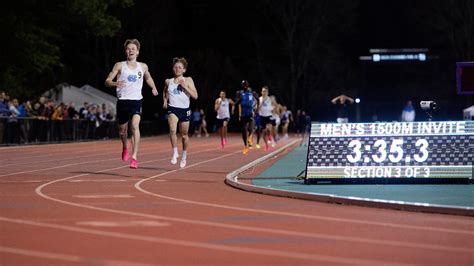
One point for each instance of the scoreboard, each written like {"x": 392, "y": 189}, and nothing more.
{"x": 395, "y": 152}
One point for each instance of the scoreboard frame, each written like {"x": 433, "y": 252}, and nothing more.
{"x": 394, "y": 152}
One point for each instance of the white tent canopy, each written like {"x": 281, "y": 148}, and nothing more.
{"x": 68, "y": 93}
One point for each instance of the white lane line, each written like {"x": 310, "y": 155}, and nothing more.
{"x": 77, "y": 143}
{"x": 48, "y": 154}
{"x": 64, "y": 257}
{"x": 90, "y": 153}
{"x": 194, "y": 244}
{"x": 124, "y": 223}
{"x": 138, "y": 186}
{"x": 22, "y": 181}
{"x": 99, "y": 180}
{"x": 46, "y": 146}
{"x": 320, "y": 236}
{"x": 58, "y": 167}
{"x": 87, "y": 162}
{"x": 42, "y": 153}
{"x": 67, "y": 165}
{"x": 122, "y": 196}
{"x": 240, "y": 227}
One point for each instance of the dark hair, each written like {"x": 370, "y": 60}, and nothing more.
{"x": 181, "y": 60}
{"x": 133, "y": 41}
{"x": 245, "y": 83}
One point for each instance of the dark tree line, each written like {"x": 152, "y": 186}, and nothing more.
{"x": 35, "y": 36}
{"x": 306, "y": 51}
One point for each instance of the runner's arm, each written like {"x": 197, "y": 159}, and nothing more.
{"x": 149, "y": 80}
{"x": 109, "y": 82}
{"x": 165, "y": 95}
{"x": 190, "y": 88}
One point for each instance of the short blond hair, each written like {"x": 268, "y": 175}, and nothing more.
{"x": 132, "y": 41}
{"x": 181, "y": 60}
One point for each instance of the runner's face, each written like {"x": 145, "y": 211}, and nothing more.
{"x": 222, "y": 94}
{"x": 131, "y": 51}
{"x": 178, "y": 69}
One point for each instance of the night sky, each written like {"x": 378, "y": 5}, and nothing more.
{"x": 228, "y": 41}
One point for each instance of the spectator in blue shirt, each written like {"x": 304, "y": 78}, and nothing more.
{"x": 4, "y": 109}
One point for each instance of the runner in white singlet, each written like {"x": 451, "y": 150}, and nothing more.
{"x": 176, "y": 96}
{"x": 265, "y": 111}
{"x": 221, "y": 106}
{"x": 129, "y": 83}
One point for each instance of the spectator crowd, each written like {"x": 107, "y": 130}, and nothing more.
{"x": 46, "y": 120}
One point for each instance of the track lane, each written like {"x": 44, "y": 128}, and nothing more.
{"x": 211, "y": 177}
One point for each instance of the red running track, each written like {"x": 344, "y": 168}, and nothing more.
{"x": 78, "y": 204}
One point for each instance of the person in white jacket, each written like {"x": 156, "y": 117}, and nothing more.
{"x": 408, "y": 112}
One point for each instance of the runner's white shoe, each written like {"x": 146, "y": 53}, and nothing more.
{"x": 182, "y": 163}
{"x": 174, "y": 159}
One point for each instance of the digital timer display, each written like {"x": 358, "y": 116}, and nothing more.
{"x": 428, "y": 151}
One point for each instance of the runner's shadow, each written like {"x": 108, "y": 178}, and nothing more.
{"x": 101, "y": 173}
{"x": 153, "y": 168}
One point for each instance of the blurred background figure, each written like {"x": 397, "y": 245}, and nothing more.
{"x": 286, "y": 119}
{"x": 202, "y": 127}
{"x": 342, "y": 102}
{"x": 13, "y": 129}
{"x": 196, "y": 122}
{"x": 221, "y": 106}
{"x": 4, "y": 108}
{"x": 408, "y": 112}
{"x": 247, "y": 101}
{"x": 276, "y": 120}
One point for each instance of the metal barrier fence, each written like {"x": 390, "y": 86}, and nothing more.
{"x": 17, "y": 131}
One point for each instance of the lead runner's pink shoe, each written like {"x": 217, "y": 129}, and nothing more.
{"x": 134, "y": 164}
